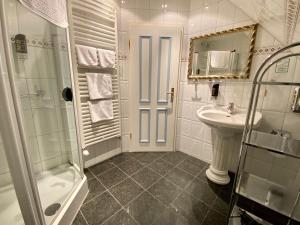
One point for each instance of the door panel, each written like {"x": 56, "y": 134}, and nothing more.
{"x": 154, "y": 69}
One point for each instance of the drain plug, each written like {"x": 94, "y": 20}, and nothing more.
{"x": 52, "y": 209}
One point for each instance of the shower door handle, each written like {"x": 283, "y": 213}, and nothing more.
{"x": 67, "y": 94}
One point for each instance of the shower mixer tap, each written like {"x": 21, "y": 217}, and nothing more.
{"x": 38, "y": 93}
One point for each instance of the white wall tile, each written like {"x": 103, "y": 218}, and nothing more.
{"x": 124, "y": 90}
{"x": 186, "y": 127}
{"x": 271, "y": 121}
{"x": 156, "y": 4}
{"x": 156, "y": 16}
{"x": 292, "y": 124}
{"x": 277, "y": 98}
{"x": 125, "y": 126}
{"x": 226, "y": 13}
{"x": 187, "y": 108}
{"x": 142, "y": 4}
{"x": 49, "y": 146}
{"x": 142, "y": 15}
{"x": 45, "y": 120}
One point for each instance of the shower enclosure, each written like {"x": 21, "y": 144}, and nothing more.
{"x": 40, "y": 165}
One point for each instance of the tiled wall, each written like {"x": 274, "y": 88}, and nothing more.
{"x": 193, "y": 137}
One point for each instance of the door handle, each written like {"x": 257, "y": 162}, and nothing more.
{"x": 172, "y": 94}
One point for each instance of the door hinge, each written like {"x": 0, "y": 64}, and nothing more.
{"x": 130, "y": 135}
{"x": 129, "y": 44}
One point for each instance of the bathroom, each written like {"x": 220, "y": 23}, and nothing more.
{"x": 147, "y": 112}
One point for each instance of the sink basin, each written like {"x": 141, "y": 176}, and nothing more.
{"x": 218, "y": 117}
{"x": 226, "y": 131}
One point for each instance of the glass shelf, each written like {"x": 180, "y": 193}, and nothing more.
{"x": 278, "y": 83}
{"x": 268, "y": 194}
{"x": 275, "y": 143}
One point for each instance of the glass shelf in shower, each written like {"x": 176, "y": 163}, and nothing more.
{"x": 275, "y": 143}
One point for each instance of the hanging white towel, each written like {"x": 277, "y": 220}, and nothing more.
{"x": 54, "y": 11}
{"x": 101, "y": 110}
{"x": 107, "y": 58}
{"x": 99, "y": 85}
{"x": 220, "y": 59}
{"x": 86, "y": 56}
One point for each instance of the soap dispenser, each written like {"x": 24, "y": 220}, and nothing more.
{"x": 215, "y": 90}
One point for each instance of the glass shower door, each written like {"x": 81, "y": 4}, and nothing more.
{"x": 10, "y": 212}
{"x": 43, "y": 84}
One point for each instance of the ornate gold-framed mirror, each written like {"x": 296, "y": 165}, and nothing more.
{"x": 222, "y": 55}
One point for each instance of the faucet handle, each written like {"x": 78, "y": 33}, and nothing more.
{"x": 230, "y": 107}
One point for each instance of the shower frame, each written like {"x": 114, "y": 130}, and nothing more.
{"x": 248, "y": 141}
{"x": 16, "y": 148}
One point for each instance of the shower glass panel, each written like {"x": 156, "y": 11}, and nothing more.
{"x": 41, "y": 76}
{"x": 10, "y": 212}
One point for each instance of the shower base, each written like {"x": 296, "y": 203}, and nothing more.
{"x": 54, "y": 187}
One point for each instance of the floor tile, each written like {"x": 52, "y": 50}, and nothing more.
{"x": 120, "y": 218}
{"x": 175, "y": 157}
{"x": 165, "y": 191}
{"x": 126, "y": 191}
{"x": 197, "y": 161}
{"x": 179, "y": 177}
{"x": 79, "y": 220}
{"x": 190, "y": 167}
{"x": 100, "y": 208}
{"x": 222, "y": 206}
{"x": 202, "y": 176}
{"x": 101, "y": 167}
{"x": 95, "y": 188}
{"x": 120, "y": 158}
{"x": 130, "y": 166}
{"x": 161, "y": 166}
{"x": 112, "y": 177}
{"x": 145, "y": 158}
{"x": 202, "y": 191}
{"x": 214, "y": 218}
{"x": 191, "y": 208}
{"x": 88, "y": 174}
{"x": 145, "y": 209}
{"x": 146, "y": 177}
{"x": 171, "y": 217}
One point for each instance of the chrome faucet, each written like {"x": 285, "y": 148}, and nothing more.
{"x": 230, "y": 107}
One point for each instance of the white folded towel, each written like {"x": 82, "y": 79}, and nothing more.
{"x": 99, "y": 85}
{"x": 86, "y": 56}
{"x": 220, "y": 59}
{"x": 107, "y": 58}
{"x": 101, "y": 110}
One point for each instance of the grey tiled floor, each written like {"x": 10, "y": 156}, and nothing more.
{"x": 153, "y": 189}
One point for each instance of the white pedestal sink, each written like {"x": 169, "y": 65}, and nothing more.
{"x": 226, "y": 129}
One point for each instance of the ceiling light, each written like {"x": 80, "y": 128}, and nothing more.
{"x": 123, "y": 1}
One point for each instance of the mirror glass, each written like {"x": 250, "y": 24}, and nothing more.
{"x": 225, "y": 54}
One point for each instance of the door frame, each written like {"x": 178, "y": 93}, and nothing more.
{"x": 177, "y": 83}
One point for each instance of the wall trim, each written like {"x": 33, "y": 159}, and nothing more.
{"x": 102, "y": 157}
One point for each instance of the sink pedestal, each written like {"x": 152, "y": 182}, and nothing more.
{"x": 224, "y": 145}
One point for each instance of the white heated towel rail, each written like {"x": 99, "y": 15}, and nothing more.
{"x": 93, "y": 23}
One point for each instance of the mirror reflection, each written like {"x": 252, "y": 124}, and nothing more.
{"x": 225, "y": 54}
